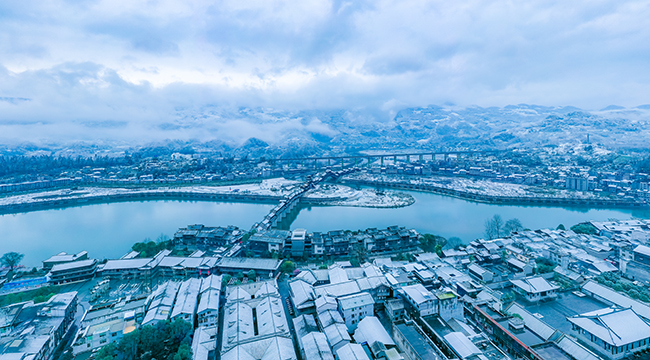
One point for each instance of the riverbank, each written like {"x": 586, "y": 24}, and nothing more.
{"x": 483, "y": 191}
{"x": 265, "y": 192}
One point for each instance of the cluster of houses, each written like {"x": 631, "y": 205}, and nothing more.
{"x": 30, "y": 331}
{"x": 299, "y": 243}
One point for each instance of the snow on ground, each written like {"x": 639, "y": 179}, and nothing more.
{"x": 347, "y": 196}
{"x": 340, "y": 195}
{"x": 483, "y": 187}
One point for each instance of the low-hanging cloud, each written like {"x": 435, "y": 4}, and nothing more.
{"x": 142, "y": 71}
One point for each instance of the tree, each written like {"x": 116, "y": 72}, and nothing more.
{"x": 584, "y": 228}
{"x": 358, "y": 255}
{"x": 225, "y": 279}
{"x": 512, "y": 225}
{"x": 11, "y": 259}
{"x": 428, "y": 242}
{"x": 288, "y": 267}
{"x": 560, "y": 227}
{"x": 494, "y": 227}
{"x": 453, "y": 243}
{"x": 251, "y": 274}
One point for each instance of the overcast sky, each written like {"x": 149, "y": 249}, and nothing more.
{"x": 108, "y": 63}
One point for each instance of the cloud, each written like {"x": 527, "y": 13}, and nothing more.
{"x": 108, "y": 68}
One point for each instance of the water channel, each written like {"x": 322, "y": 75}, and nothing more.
{"x": 109, "y": 230}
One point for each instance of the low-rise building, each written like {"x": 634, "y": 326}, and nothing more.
{"x": 613, "y": 332}
{"x": 73, "y": 271}
{"x": 535, "y": 288}
{"x": 421, "y": 300}
{"x": 354, "y": 308}
{"x": 186, "y": 300}
{"x": 62, "y": 258}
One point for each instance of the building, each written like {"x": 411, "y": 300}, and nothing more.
{"x": 108, "y": 324}
{"x": 352, "y": 352}
{"x": 337, "y": 335}
{"x": 159, "y": 303}
{"x": 255, "y": 325}
{"x": 394, "y": 308}
{"x": 315, "y": 347}
{"x": 263, "y": 267}
{"x": 73, "y": 271}
{"x": 370, "y": 330}
{"x": 354, "y": 308}
{"x": 266, "y": 242}
{"x": 480, "y": 273}
{"x": 36, "y": 330}
{"x": 535, "y": 288}
{"x": 62, "y": 258}
{"x": 205, "y": 237}
{"x": 302, "y": 294}
{"x": 186, "y": 301}
{"x": 298, "y": 246}
{"x": 421, "y": 300}
{"x": 203, "y": 343}
{"x": 613, "y": 332}
{"x": 208, "y": 309}
{"x": 414, "y": 342}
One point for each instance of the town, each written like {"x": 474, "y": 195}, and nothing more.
{"x": 545, "y": 294}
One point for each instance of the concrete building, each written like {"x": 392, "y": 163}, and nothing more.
{"x": 354, "y": 308}
{"x": 36, "y": 330}
{"x": 315, "y": 347}
{"x": 160, "y": 302}
{"x": 480, "y": 273}
{"x": 352, "y": 352}
{"x": 62, "y": 258}
{"x": 535, "y": 288}
{"x": 186, "y": 301}
{"x": 73, "y": 271}
{"x": 613, "y": 332}
{"x": 414, "y": 342}
{"x": 255, "y": 325}
{"x": 421, "y": 300}
{"x": 108, "y": 324}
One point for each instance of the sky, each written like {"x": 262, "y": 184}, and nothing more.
{"x": 119, "y": 68}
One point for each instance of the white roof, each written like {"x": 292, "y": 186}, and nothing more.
{"x": 534, "y": 285}
{"x": 209, "y": 301}
{"x": 274, "y": 348}
{"x": 352, "y": 352}
{"x": 370, "y": 330}
{"x": 325, "y": 303}
{"x": 642, "y": 249}
{"x": 617, "y": 327}
{"x": 617, "y": 298}
{"x": 212, "y": 282}
{"x": 336, "y": 333}
{"x": 126, "y": 264}
{"x": 462, "y": 345}
{"x": 329, "y": 317}
{"x": 336, "y": 290}
{"x": 419, "y": 293}
{"x": 516, "y": 263}
{"x": 73, "y": 265}
{"x": 316, "y": 347}
{"x": 186, "y": 300}
{"x": 202, "y": 344}
{"x": 355, "y": 300}
{"x": 337, "y": 275}
{"x": 307, "y": 276}
{"x": 302, "y": 294}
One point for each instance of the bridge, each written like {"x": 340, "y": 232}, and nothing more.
{"x": 368, "y": 159}
{"x": 290, "y": 201}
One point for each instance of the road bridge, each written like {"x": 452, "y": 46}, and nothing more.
{"x": 369, "y": 159}
{"x": 290, "y": 201}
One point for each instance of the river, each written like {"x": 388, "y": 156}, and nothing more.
{"x": 109, "y": 230}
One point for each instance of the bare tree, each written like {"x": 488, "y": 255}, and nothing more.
{"x": 512, "y": 225}
{"x": 11, "y": 259}
{"x": 494, "y": 227}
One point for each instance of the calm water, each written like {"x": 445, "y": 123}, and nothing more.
{"x": 109, "y": 230}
